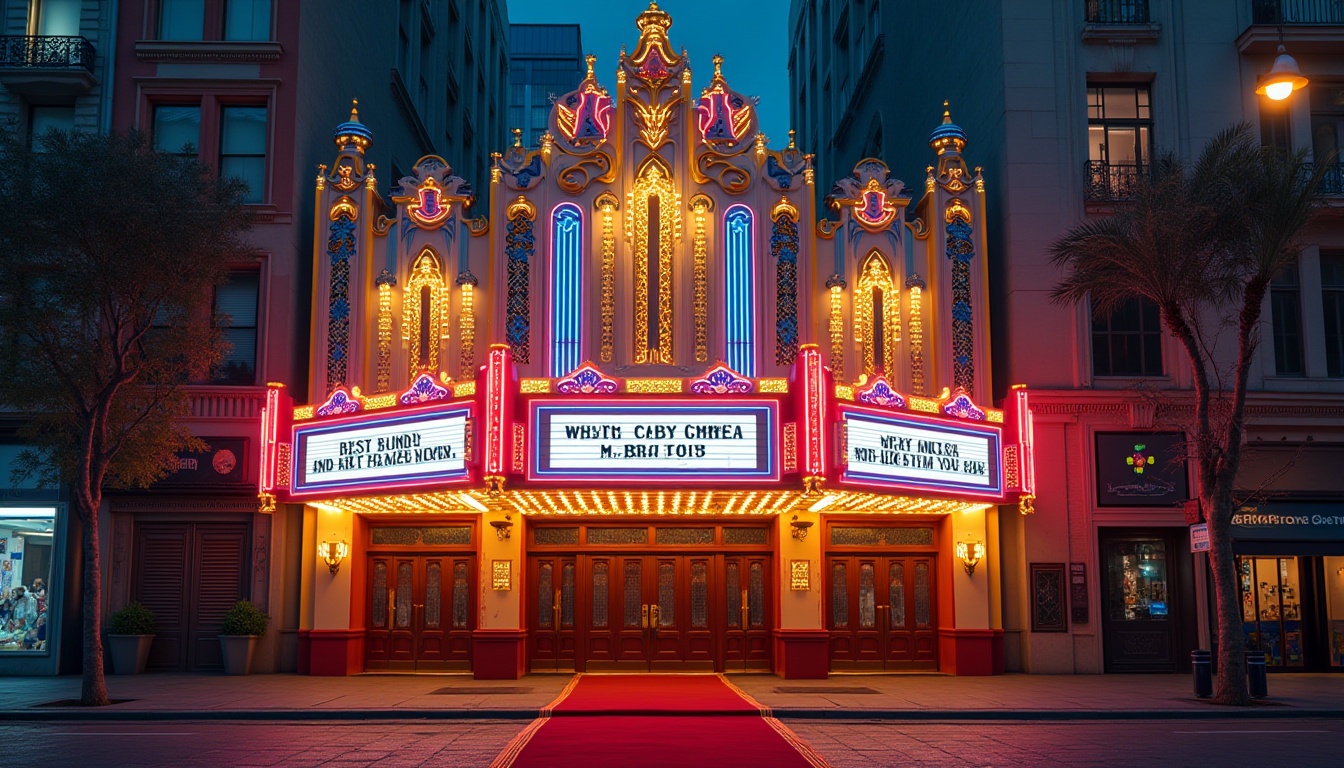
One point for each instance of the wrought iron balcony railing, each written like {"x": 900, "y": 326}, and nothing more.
{"x": 1117, "y": 12}
{"x": 1332, "y": 182}
{"x": 1108, "y": 183}
{"x": 46, "y": 52}
{"x": 1297, "y": 12}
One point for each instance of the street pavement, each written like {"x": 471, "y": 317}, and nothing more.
{"x": 1304, "y": 742}
{"x": 302, "y": 697}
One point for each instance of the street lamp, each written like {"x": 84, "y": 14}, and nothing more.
{"x": 1282, "y": 79}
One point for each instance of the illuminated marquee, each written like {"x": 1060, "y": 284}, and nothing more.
{"x": 662, "y": 441}
{"x": 358, "y": 454}
{"x": 899, "y": 450}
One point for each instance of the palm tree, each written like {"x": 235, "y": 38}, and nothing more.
{"x": 1202, "y": 243}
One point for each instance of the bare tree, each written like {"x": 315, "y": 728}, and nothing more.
{"x": 109, "y": 253}
{"x": 1202, "y": 243}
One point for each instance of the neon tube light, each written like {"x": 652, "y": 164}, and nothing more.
{"x": 566, "y": 288}
{"x": 740, "y": 280}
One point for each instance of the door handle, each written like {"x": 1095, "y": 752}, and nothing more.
{"x": 391, "y": 609}
{"x": 746, "y": 612}
{"x": 644, "y": 615}
{"x": 555, "y": 606}
{"x": 653, "y": 617}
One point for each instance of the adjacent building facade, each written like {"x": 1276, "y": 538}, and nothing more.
{"x": 1064, "y": 103}
{"x": 251, "y": 88}
{"x": 545, "y": 61}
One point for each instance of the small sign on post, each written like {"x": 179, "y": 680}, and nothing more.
{"x": 1199, "y": 537}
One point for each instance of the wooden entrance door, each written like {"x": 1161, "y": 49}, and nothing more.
{"x": 639, "y": 612}
{"x": 746, "y": 634}
{"x": 649, "y": 612}
{"x": 421, "y": 611}
{"x": 880, "y": 612}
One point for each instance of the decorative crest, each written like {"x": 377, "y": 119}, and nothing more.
{"x": 721, "y": 380}
{"x": 586, "y": 380}
{"x": 584, "y": 114}
{"x": 879, "y": 392}
{"x": 340, "y": 402}
{"x": 724, "y": 116}
{"x": 423, "y": 390}
{"x": 961, "y": 407}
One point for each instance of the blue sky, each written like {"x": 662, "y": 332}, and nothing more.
{"x": 752, "y": 38}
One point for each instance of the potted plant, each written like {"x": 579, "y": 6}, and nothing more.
{"x": 243, "y": 624}
{"x": 130, "y": 634}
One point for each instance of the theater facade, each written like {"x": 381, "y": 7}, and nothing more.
{"x": 632, "y": 408}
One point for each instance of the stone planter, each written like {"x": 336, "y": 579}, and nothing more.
{"x": 129, "y": 653}
{"x": 238, "y": 651}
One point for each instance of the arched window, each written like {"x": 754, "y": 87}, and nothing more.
{"x": 566, "y": 288}
{"x": 739, "y": 289}
{"x": 878, "y": 319}
{"x": 425, "y": 313}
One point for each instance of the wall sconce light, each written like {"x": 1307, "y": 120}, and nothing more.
{"x": 800, "y": 527}
{"x": 333, "y": 553}
{"x": 970, "y": 553}
{"x": 503, "y": 528}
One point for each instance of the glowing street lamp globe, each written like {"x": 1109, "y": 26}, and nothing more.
{"x": 1283, "y": 78}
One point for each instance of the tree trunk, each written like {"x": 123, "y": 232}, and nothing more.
{"x": 1230, "y": 686}
{"x": 93, "y": 692}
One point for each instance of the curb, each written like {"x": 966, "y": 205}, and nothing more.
{"x": 784, "y": 713}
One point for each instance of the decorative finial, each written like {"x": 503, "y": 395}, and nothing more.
{"x": 792, "y": 133}
{"x": 517, "y": 137}
{"x": 354, "y": 110}
{"x": 947, "y": 114}
{"x": 718, "y": 65}
{"x": 591, "y": 59}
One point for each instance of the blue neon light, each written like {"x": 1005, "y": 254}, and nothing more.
{"x": 740, "y": 290}
{"x": 566, "y": 288}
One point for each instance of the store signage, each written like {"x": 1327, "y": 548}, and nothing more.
{"x": 1141, "y": 469}
{"x": 1199, "y": 537}
{"x": 222, "y": 463}
{"x": 913, "y": 452}
{"x": 659, "y": 441}
{"x": 381, "y": 452}
{"x": 1289, "y": 522}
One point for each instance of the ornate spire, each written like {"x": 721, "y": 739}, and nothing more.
{"x": 352, "y": 134}
{"x": 948, "y": 135}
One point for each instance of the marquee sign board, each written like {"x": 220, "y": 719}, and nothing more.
{"x": 381, "y": 452}
{"x": 893, "y": 450}
{"x": 666, "y": 441}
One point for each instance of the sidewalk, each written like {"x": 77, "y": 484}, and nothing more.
{"x": 459, "y": 697}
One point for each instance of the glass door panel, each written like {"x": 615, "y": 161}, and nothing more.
{"x": 1271, "y": 609}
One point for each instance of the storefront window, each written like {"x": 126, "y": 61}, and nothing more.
{"x": 1334, "y": 601}
{"x": 1137, "y": 570}
{"x": 25, "y": 576}
{"x": 1271, "y": 611}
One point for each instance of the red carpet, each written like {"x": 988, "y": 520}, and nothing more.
{"x": 655, "y": 720}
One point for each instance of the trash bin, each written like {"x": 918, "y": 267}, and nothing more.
{"x": 1203, "y": 667}
{"x": 1255, "y": 674}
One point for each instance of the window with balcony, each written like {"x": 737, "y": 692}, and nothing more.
{"x": 1117, "y": 11}
{"x": 1332, "y": 302}
{"x": 236, "y": 314}
{"x": 57, "y": 17}
{"x": 1128, "y": 341}
{"x": 242, "y": 148}
{"x": 1327, "y": 133}
{"x": 1285, "y": 306}
{"x": 1119, "y": 139}
{"x": 177, "y": 129}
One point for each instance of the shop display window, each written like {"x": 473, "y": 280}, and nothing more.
{"x": 1137, "y": 571}
{"x": 25, "y": 576}
{"x": 1271, "y": 609}
{"x": 1334, "y": 601}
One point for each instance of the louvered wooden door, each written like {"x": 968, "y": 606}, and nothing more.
{"x": 189, "y": 575}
